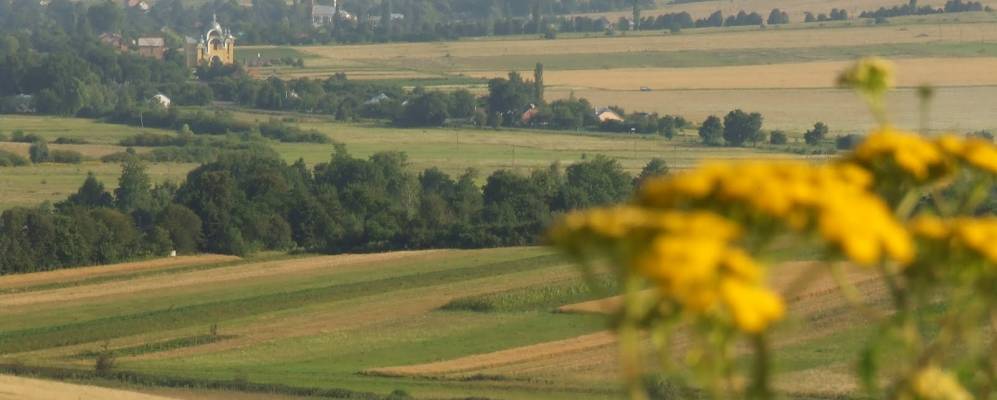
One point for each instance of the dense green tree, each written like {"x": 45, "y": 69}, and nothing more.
{"x": 91, "y": 194}
{"x": 508, "y": 98}
{"x": 428, "y": 109}
{"x": 816, "y": 135}
{"x": 134, "y": 186}
{"x": 778, "y": 138}
{"x": 654, "y": 168}
{"x": 596, "y": 182}
{"x": 741, "y": 127}
{"x": 182, "y": 226}
{"x": 712, "y": 131}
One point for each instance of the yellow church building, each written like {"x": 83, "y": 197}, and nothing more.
{"x": 217, "y": 46}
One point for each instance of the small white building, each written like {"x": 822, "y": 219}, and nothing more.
{"x": 161, "y": 100}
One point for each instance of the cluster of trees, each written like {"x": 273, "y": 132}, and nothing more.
{"x": 836, "y": 15}
{"x": 912, "y": 8}
{"x": 39, "y": 151}
{"x": 736, "y": 129}
{"x": 244, "y": 202}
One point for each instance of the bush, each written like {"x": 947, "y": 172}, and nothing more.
{"x": 65, "y": 157}
{"x": 778, "y": 138}
{"x": 8, "y": 159}
{"x": 20, "y": 137}
{"x": 816, "y": 135}
{"x": 38, "y": 152}
{"x": 848, "y": 142}
{"x": 65, "y": 140}
{"x": 291, "y": 134}
{"x": 153, "y": 140}
{"x": 985, "y": 135}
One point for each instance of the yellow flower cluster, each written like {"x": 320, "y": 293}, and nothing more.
{"x": 975, "y": 234}
{"x": 690, "y": 257}
{"x": 921, "y": 158}
{"x": 978, "y": 153}
{"x": 915, "y": 156}
{"x": 834, "y": 198}
{"x": 932, "y": 383}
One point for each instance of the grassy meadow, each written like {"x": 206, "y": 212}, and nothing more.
{"x": 367, "y": 324}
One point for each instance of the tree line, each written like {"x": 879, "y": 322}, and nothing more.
{"x": 247, "y": 202}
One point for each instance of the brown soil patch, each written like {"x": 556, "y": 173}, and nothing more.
{"x": 76, "y": 274}
{"x": 205, "y": 277}
{"x": 16, "y": 388}
{"x": 503, "y": 357}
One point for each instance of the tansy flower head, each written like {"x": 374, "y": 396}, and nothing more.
{"x": 888, "y": 148}
{"x": 932, "y": 383}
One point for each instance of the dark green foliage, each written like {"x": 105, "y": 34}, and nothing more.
{"x": 654, "y": 168}
{"x": 38, "y": 152}
{"x": 248, "y": 201}
{"x": 816, "y": 135}
{"x": 65, "y": 156}
{"x": 183, "y": 227}
{"x": 134, "y": 187}
{"x": 8, "y": 159}
{"x": 65, "y": 140}
{"x": 848, "y": 142}
{"x": 91, "y": 194}
{"x": 291, "y": 134}
{"x": 545, "y": 297}
{"x": 154, "y": 140}
{"x": 712, "y": 131}
{"x": 741, "y": 127}
{"x": 509, "y": 98}
{"x": 428, "y": 109}
{"x": 20, "y": 137}
{"x": 778, "y": 138}
{"x": 985, "y": 135}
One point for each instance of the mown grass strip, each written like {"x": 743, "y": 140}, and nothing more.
{"x": 156, "y": 347}
{"x": 134, "y": 378}
{"x": 541, "y": 297}
{"x": 214, "y": 312}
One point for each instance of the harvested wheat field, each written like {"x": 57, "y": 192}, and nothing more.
{"x": 939, "y": 72}
{"x": 405, "y": 53}
{"x": 796, "y": 8}
{"x": 15, "y": 388}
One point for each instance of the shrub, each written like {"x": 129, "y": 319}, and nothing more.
{"x": 104, "y": 362}
{"x": 8, "y": 159}
{"x": 65, "y": 157}
{"x": 65, "y": 140}
{"x": 778, "y": 138}
{"x": 20, "y": 137}
{"x": 712, "y": 131}
{"x": 848, "y": 142}
{"x": 816, "y": 135}
{"x": 38, "y": 152}
{"x": 153, "y": 140}
{"x": 985, "y": 135}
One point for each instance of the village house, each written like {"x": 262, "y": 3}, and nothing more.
{"x": 114, "y": 41}
{"x": 151, "y": 47}
{"x": 606, "y": 114}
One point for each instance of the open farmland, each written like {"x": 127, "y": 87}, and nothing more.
{"x": 795, "y": 8}
{"x": 786, "y": 73}
{"x": 370, "y": 324}
{"x": 452, "y": 150}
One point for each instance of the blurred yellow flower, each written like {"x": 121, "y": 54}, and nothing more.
{"x": 978, "y": 235}
{"x": 932, "y": 383}
{"x": 978, "y": 153}
{"x": 872, "y": 76}
{"x": 753, "y": 308}
{"x": 912, "y": 154}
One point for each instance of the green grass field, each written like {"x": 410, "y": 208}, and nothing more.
{"x": 325, "y": 321}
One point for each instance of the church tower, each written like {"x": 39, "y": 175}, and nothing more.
{"x": 217, "y": 45}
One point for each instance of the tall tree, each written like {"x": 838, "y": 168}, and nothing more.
{"x": 636, "y": 14}
{"x": 134, "y": 186}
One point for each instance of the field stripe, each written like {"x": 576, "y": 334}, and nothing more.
{"x": 201, "y": 314}
{"x": 17, "y": 388}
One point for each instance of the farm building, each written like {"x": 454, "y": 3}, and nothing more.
{"x": 605, "y": 114}
{"x": 151, "y": 47}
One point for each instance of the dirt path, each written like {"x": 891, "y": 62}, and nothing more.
{"x": 17, "y": 388}
{"x": 77, "y": 274}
